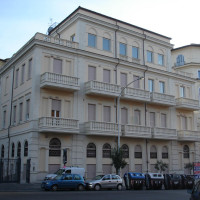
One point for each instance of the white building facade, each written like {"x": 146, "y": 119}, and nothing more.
{"x": 59, "y": 91}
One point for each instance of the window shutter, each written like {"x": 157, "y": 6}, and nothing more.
{"x": 57, "y": 66}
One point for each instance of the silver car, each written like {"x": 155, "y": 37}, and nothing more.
{"x": 109, "y": 181}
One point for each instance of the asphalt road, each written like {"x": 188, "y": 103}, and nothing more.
{"x": 96, "y": 195}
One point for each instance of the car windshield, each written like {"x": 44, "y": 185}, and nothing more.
{"x": 59, "y": 172}
{"x": 57, "y": 177}
{"x": 98, "y": 177}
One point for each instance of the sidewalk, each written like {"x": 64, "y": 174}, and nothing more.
{"x": 17, "y": 187}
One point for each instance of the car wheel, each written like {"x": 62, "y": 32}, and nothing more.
{"x": 119, "y": 187}
{"x": 80, "y": 187}
{"x": 97, "y": 187}
{"x": 54, "y": 187}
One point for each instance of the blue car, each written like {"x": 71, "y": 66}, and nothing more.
{"x": 65, "y": 181}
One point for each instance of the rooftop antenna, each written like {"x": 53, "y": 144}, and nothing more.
{"x": 51, "y": 25}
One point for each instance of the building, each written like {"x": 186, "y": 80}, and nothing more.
{"x": 59, "y": 91}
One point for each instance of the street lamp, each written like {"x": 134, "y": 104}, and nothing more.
{"x": 118, "y": 107}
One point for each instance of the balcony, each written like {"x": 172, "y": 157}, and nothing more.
{"x": 61, "y": 125}
{"x": 164, "y": 133}
{"x": 188, "y": 104}
{"x": 58, "y": 81}
{"x": 163, "y": 99}
{"x": 136, "y": 131}
{"x": 187, "y": 135}
{"x": 101, "y": 128}
{"x": 101, "y": 88}
{"x": 136, "y": 94}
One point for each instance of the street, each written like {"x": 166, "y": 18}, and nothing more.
{"x": 101, "y": 195}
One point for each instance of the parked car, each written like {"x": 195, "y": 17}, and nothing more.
{"x": 109, "y": 181}
{"x": 65, "y": 181}
{"x": 134, "y": 180}
{"x": 66, "y": 170}
{"x": 187, "y": 181}
{"x": 195, "y": 192}
{"x": 154, "y": 181}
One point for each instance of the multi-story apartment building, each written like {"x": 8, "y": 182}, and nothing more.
{"x": 59, "y": 99}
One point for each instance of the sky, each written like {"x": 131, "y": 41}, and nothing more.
{"x": 21, "y": 19}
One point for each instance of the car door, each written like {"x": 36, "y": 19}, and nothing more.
{"x": 106, "y": 181}
{"x": 67, "y": 181}
{"x": 114, "y": 181}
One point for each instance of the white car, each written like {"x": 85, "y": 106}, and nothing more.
{"x": 109, "y": 181}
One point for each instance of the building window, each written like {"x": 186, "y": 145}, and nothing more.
{"x": 163, "y": 120}
{"x": 13, "y": 150}
{"x": 184, "y": 122}
{"x": 107, "y": 114}
{"x": 137, "y": 117}
{"x": 106, "y": 76}
{"x": 91, "y": 40}
{"x": 151, "y": 85}
{"x": 55, "y": 147}
{"x": 14, "y": 114}
{"x": 136, "y": 81}
{"x": 27, "y": 109}
{"x": 16, "y": 77}
{"x": 2, "y": 151}
{"x": 22, "y": 73}
{"x": 91, "y": 150}
{"x": 186, "y": 151}
{"x": 20, "y": 112}
{"x": 29, "y": 69}
{"x": 123, "y": 79}
{"x": 6, "y": 85}
{"x": 160, "y": 59}
{"x": 72, "y": 38}
{"x": 135, "y": 52}
{"x": 56, "y": 108}
{"x": 164, "y": 152}
{"x": 91, "y": 112}
{"x": 19, "y": 149}
{"x": 124, "y": 116}
{"x": 125, "y": 151}
{"x": 138, "y": 151}
{"x": 182, "y": 91}
{"x": 106, "y": 151}
{"x": 162, "y": 87}
{"x": 122, "y": 48}
{"x": 91, "y": 73}
{"x": 26, "y": 148}
{"x": 180, "y": 60}
{"x": 57, "y": 66}
{"x": 152, "y": 119}
{"x": 106, "y": 44}
{"x": 4, "y": 119}
{"x": 150, "y": 56}
{"x": 153, "y": 152}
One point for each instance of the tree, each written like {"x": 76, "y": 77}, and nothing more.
{"x": 161, "y": 166}
{"x": 117, "y": 159}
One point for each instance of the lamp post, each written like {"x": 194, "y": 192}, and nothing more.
{"x": 118, "y": 109}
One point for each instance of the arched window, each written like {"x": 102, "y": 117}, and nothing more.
{"x": 26, "y": 148}
{"x": 19, "y": 149}
{"x": 91, "y": 150}
{"x": 106, "y": 151}
{"x": 180, "y": 60}
{"x": 164, "y": 152}
{"x": 186, "y": 151}
{"x": 138, "y": 151}
{"x": 125, "y": 151}
{"x": 13, "y": 150}
{"x": 54, "y": 147}
{"x": 153, "y": 152}
{"x": 2, "y": 151}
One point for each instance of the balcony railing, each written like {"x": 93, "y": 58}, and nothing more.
{"x": 190, "y": 104}
{"x": 188, "y": 135}
{"x": 101, "y": 128}
{"x": 49, "y": 79}
{"x": 136, "y": 131}
{"x": 164, "y": 99}
{"x": 101, "y": 88}
{"x": 136, "y": 94}
{"x": 53, "y": 124}
{"x": 164, "y": 133}
{"x": 57, "y": 41}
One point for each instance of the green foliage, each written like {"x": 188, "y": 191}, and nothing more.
{"x": 189, "y": 166}
{"x": 161, "y": 166}
{"x": 117, "y": 159}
